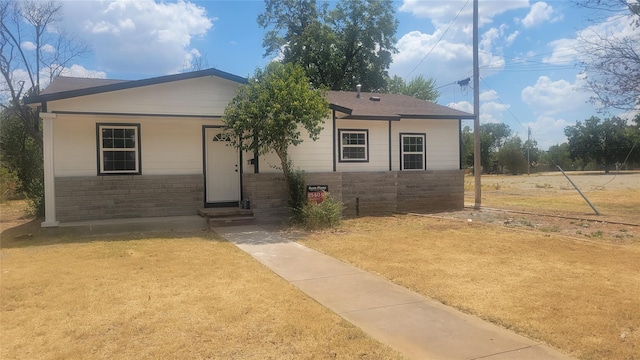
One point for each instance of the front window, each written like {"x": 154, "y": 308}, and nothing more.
{"x": 412, "y": 151}
{"x": 354, "y": 145}
{"x": 119, "y": 148}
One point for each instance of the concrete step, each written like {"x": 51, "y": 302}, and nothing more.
{"x": 231, "y": 221}
{"x": 220, "y": 217}
{"x": 224, "y": 212}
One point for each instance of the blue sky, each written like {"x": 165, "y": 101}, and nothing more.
{"x": 529, "y": 53}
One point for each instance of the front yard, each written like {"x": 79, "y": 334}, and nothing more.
{"x": 160, "y": 297}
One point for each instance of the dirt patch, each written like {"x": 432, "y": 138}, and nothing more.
{"x": 549, "y": 203}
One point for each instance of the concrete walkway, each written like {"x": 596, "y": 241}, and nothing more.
{"x": 418, "y": 327}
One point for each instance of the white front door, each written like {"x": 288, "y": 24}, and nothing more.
{"x": 222, "y": 168}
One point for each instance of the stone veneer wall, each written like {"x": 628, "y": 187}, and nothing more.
{"x": 364, "y": 193}
{"x": 127, "y": 196}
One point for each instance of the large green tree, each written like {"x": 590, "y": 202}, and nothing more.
{"x": 558, "y": 155}
{"x": 418, "y": 87}
{"x": 269, "y": 112}
{"x": 603, "y": 142}
{"x": 492, "y": 136}
{"x": 341, "y": 47}
{"x": 512, "y": 155}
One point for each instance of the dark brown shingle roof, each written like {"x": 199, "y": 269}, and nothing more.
{"x": 375, "y": 106}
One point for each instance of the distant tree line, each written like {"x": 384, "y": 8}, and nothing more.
{"x": 592, "y": 144}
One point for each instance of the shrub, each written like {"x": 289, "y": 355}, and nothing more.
{"x": 9, "y": 184}
{"x": 297, "y": 190}
{"x": 327, "y": 214}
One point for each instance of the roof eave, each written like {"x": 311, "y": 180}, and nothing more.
{"x": 438, "y": 117}
{"x": 134, "y": 84}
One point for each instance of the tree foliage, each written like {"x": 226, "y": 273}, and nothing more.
{"x": 339, "y": 48}
{"x": 512, "y": 155}
{"x": 466, "y": 137}
{"x": 612, "y": 63}
{"x": 268, "y": 114}
{"x": 492, "y": 136}
{"x": 418, "y": 87}
{"x": 558, "y": 155}
{"x": 603, "y": 142}
{"x": 21, "y": 154}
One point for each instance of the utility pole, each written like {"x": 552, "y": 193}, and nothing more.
{"x": 477, "y": 166}
{"x": 528, "y": 147}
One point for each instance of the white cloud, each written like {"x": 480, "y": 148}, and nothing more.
{"x": 492, "y": 112}
{"x": 28, "y": 46}
{"x": 462, "y": 106}
{"x": 141, "y": 36}
{"x": 551, "y": 97}
{"x": 451, "y": 53}
{"x": 488, "y": 95}
{"x": 569, "y": 50}
{"x": 455, "y": 57}
{"x": 548, "y": 130}
{"x": 511, "y": 38}
{"x": 81, "y": 71}
{"x": 539, "y": 13}
{"x": 442, "y": 12}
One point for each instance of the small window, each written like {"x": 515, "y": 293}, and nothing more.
{"x": 412, "y": 152}
{"x": 354, "y": 145}
{"x": 118, "y": 148}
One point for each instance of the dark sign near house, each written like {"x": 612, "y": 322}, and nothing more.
{"x": 316, "y": 193}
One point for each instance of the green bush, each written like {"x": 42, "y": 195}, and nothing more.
{"x": 297, "y": 190}
{"x": 9, "y": 184}
{"x": 327, "y": 214}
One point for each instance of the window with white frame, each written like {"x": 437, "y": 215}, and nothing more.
{"x": 354, "y": 145}
{"x": 412, "y": 151}
{"x": 118, "y": 148}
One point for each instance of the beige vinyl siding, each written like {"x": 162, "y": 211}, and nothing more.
{"x": 199, "y": 96}
{"x": 169, "y": 146}
{"x": 309, "y": 156}
{"x": 378, "y": 145}
{"x": 442, "y": 142}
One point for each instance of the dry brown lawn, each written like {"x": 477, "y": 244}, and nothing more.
{"x": 582, "y": 298}
{"x": 189, "y": 296}
{"x": 573, "y": 284}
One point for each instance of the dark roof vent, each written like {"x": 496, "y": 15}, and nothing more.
{"x": 375, "y": 98}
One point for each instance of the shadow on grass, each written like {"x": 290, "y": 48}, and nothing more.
{"x": 31, "y": 234}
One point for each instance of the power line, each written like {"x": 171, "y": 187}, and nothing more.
{"x": 437, "y": 42}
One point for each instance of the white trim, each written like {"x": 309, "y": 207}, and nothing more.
{"x": 403, "y": 153}
{"x": 342, "y": 145}
{"x": 135, "y": 149}
{"x": 49, "y": 171}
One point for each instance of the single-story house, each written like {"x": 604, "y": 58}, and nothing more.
{"x": 157, "y": 147}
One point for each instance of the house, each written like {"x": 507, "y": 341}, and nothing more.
{"x": 157, "y": 147}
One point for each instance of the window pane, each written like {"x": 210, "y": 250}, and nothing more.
{"x": 107, "y": 133}
{"x": 118, "y": 133}
{"x": 349, "y": 152}
{"x": 413, "y": 161}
